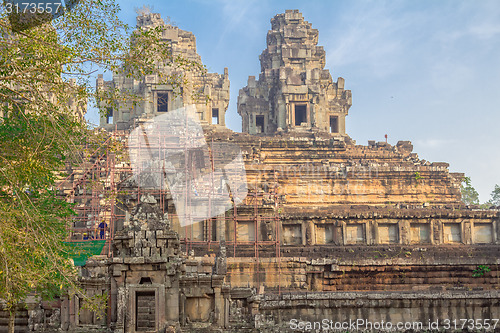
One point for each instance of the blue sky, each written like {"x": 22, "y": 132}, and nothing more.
{"x": 424, "y": 71}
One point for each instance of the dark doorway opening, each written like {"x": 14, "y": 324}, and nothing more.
{"x": 334, "y": 124}
{"x": 215, "y": 116}
{"x": 109, "y": 115}
{"x": 300, "y": 114}
{"x": 162, "y": 102}
{"x": 259, "y": 124}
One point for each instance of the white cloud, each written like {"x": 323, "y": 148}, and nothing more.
{"x": 486, "y": 30}
{"x": 371, "y": 36}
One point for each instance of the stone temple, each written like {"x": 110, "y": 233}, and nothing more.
{"x": 294, "y": 90}
{"x": 328, "y": 229}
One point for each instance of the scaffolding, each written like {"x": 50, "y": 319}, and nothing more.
{"x": 106, "y": 187}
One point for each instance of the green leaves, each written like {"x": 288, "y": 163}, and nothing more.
{"x": 480, "y": 271}
{"x": 469, "y": 194}
{"x": 495, "y": 196}
{"x": 33, "y": 256}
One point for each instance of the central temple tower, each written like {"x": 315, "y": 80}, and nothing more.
{"x": 294, "y": 90}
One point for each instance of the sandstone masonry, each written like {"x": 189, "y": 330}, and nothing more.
{"x": 294, "y": 89}
{"x": 329, "y": 229}
{"x": 208, "y": 91}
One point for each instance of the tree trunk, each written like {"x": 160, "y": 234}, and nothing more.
{"x": 12, "y": 320}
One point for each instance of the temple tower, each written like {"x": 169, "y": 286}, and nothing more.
{"x": 294, "y": 90}
{"x": 209, "y": 92}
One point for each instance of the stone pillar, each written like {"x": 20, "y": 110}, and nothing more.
{"x": 310, "y": 233}
{"x": 161, "y": 308}
{"x": 182, "y": 310}
{"x": 494, "y": 238}
{"x": 225, "y": 292}
{"x": 219, "y": 308}
{"x": 65, "y": 313}
{"x": 341, "y": 121}
{"x": 121, "y": 307}
{"x": 308, "y": 115}
{"x": 405, "y": 232}
{"x": 72, "y": 314}
{"x": 312, "y": 111}
{"x": 344, "y": 233}
{"x": 467, "y": 232}
{"x": 172, "y": 302}
{"x": 113, "y": 300}
{"x": 371, "y": 233}
{"x": 291, "y": 114}
{"x": 148, "y": 100}
{"x": 438, "y": 226}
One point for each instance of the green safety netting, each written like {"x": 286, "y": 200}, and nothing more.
{"x": 85, "y": 249}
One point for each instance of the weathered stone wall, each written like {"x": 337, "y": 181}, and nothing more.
{"x": 21, "y": 322}
{"x": 314, "y": 170}
{"x": 385, "y": 226}
{"x": 362, "y": 268}
{"x": 420, "y": 311}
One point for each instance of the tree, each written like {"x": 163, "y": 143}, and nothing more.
{"x": 46, "y": 83}
{"x": 32, "y": 253}
{"x": 469, "y": 194}
{"x": 495, "y": 196}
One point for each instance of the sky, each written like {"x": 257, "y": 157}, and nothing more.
{"x": 426, "y": 71}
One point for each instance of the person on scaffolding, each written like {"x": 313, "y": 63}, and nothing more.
{"x": 102, "y": 229}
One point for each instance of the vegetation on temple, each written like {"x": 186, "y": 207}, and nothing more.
{"x": 469, "y": 193}
{"x": 46, "y": 83}
{"x": 471, "y": 197}
{"x": 495, "y": 196}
